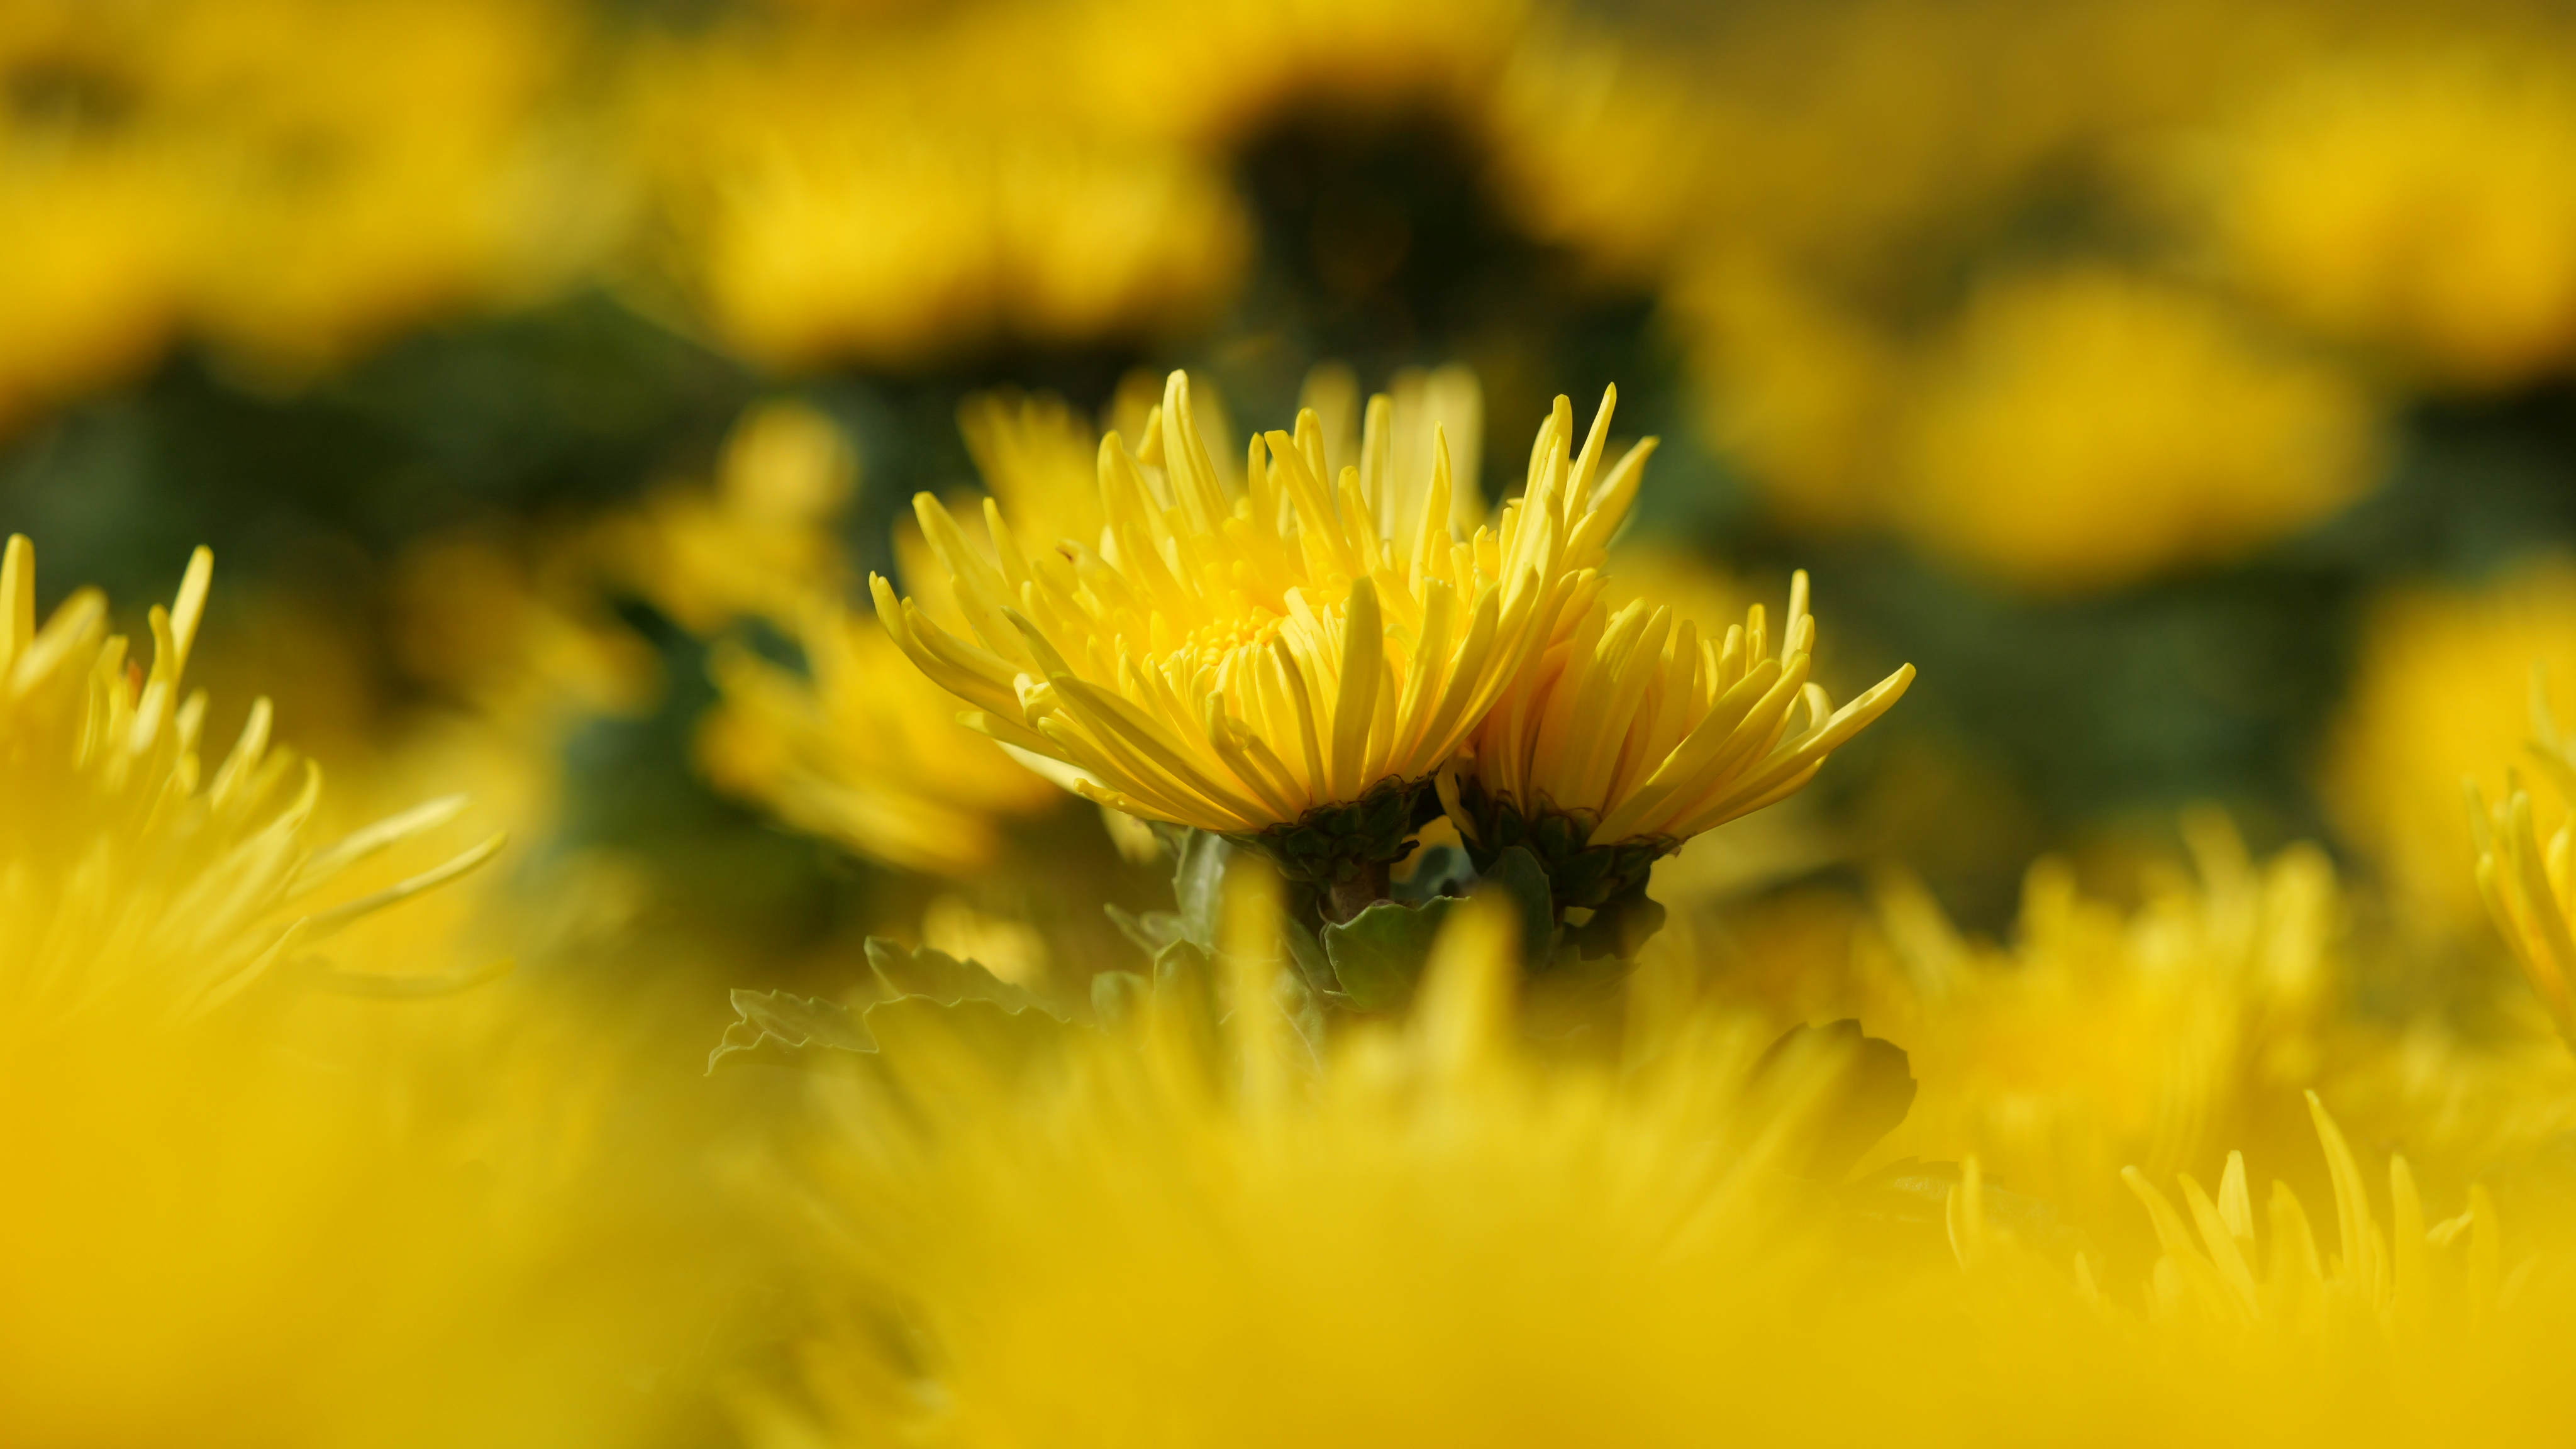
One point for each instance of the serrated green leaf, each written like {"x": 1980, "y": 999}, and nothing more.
{"x": 945, "y": 979}
{"x": 1306, "y": 952}
{"x": 1378, "y": 955}
{"x": 1151, "y": 931}
{"x": 1182, "y": 966}
{"x": 777, "y": 1028}
{"x": 1116, "y": 995}
{"x": 1516, "y": 872}
{"x": 1304, "y": 1010}
{"x": 1198, "y": 885}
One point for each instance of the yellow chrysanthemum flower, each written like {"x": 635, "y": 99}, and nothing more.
{"x": 2530, "y": 891}
{"x": 132, "y": 882}
{"x": 2440, "y": 694}
{"x": 761, "y": 542}
{"x": 2420, "y": 201}
{"x": 858, "y": 747}
{"x": 214, "y": 1202}
{"x": 2357, "y": 1328}
{"x": 1190, "y": 1231}
{"x": 1192, "y": 1228}
{"x": 863, "y": 751}
{"x": 890, "y": 193}
{"x": 1288, "y": 660}
{"x": 1641, "y": 734}
{"x": 2091, "y": 429}
{"x": 354, "y": 170}
{"x": 2100, "y": 1038}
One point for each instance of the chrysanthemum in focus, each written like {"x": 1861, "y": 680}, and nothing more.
{"x": 1643, "y": 735}
{"x": 1281, "y": 661}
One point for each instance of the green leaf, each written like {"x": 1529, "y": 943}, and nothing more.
{"x": 1306, "y": 952}
{"x": 945, "y": 979}
{"x": 1151, "y": 931}
{"x": 1184, "y": 968}
{"x": 1378, "y": 954}
{"x": 1185, "y": 998}
{"x": 1115, "y": 996}
{"x": 1303, "y": 1008}
{"x": 783, "y": 1030}
{"x": 1198, "y": 886}
{"x": 1517, "y": 874}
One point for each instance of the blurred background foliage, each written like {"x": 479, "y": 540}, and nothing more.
{"x": 2154, "y": 376}
{"x": 2182, "y": 387}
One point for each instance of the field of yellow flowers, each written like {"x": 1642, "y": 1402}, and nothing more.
{"x": 812, "y": 723}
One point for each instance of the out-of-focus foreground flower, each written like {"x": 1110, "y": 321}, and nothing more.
{"x": 220, "y": 1212}
{"x": 1185, "y": 1225}
{"x": 291, "y": 1163}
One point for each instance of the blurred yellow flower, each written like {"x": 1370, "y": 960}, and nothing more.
{"x": 1799, "y": 391}
{"x": 295, "y": 179}
{"x": 2527, "y": 889}
{"x": 2441, "y": 694}
{"x": 2099, "y": 1038}
{"x": 211, "y": 1213}
{"x": 761, "y": 542}
{"x": 2089, "y": 429}
{"x": 1587, "y": 133}
{"x": 1244, "y": 661}
{"x": 87, "y": 272}
{"x": 1510, "y": 1252}
{"x": 2423, "y": 203}
{"x": 1426, "y": 1234}
{"x": 2351, "y": 1328}
{"x": 1210, "y": 74}
{"x": 2527, "y": 892}
{"x": 134, "y": 889}
{"x": 857, "y": 747}
{"x": 877, "y": 196}
{"x": 863, "y": 751}
{"x": 353, "y": 169}
{"x": 1642, "y": 735}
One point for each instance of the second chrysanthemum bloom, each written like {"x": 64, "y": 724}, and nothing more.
{"x": 1640, "y": 734}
